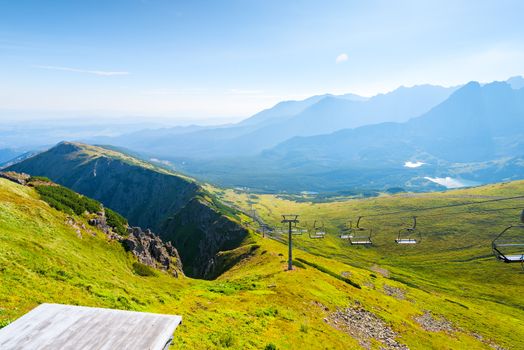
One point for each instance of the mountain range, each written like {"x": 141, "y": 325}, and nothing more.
{"x": 474, "y": 136}
{"x": 312, "y": 116}
{"x": 471, "y": 134}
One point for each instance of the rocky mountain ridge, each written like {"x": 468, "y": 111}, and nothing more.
{"x": 174, "y": 206}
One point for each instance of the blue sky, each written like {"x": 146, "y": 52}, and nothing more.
{"x": 207, "y": 59}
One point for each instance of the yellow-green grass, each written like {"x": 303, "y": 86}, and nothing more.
{"x": 257, "y": 302}
{"x": 454, "y": 256}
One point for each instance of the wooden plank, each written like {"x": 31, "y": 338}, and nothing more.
{"x": 55, "y": 326}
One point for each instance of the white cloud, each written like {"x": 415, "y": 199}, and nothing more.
{"x": 87, "y": 71}
{"x": 343, "y": 57}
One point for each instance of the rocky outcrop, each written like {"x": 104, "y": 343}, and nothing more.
{"x": 364, "y": 326}
{"x": 100, "y": 222}
{"x": 151, "y": 250}
{"x": 432, "y": 323}
{"x": 19, "y": 178}
{"x": 147, "y": 247}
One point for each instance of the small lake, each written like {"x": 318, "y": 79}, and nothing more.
{"x": 450, "y": 182}
{"x": 410, "y": 164}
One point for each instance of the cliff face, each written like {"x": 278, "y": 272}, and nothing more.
{"x": 147, "y": 196}
{"x": 200, "y": 231}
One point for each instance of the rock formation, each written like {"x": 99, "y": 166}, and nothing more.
{"x": 147, "y": 247}
{"x": 151, "y": 250}
{"x": 19, "y": 178}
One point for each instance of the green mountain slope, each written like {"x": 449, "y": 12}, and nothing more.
{"x": 254, "y": 305}
{"x": 454, "y": 240}
{"x": 147, "y": 196}
{"x": 455, "y": 253}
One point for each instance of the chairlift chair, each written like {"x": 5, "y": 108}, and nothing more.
{"x": 347, "y": 232}
{"x": 362, "y": 235}
{"x": 317, "y": 231}
{"x": 298, "y": 230}
{"x": 408, "y": 235}
{"x": 510, "y": 250}
{"x": 280, "y": 230}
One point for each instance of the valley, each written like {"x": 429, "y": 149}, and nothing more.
{"x": 475, "y": 136}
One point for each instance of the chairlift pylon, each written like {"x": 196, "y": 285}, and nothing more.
{"x": 408, "y": 235}
{"x": 510, "y": 250}
{"x": 362, "y": 235}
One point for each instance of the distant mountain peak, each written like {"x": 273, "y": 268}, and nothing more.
{"x": 353, "y": 97}
{"x": 516, "y": 82}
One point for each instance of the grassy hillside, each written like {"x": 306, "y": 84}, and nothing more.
{"x": 254, "y": 305}
{"x": 454, "y": 256}
{"x": 147, "y": 196}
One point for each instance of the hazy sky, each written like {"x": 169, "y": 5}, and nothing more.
{"x": 196, "y": 59}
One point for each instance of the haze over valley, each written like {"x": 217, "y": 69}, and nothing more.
{"x": 333, "y": 142}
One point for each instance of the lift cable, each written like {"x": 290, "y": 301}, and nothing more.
{"x": 442, "y": 206}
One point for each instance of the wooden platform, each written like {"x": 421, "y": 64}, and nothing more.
{"x": 55, "y": 326}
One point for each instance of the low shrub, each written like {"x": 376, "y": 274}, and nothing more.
{"x": 143, "y": 270}
{"x": 68, "y": 201}
{"x": 116, "y": 221}
{"x": 39, "y": 178}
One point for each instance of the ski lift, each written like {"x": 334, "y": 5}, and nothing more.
{"x": 408, "y": 235}
{"x": 317, "y": 231}
{"x": 252, "y": 214}
{"x": 297, "y": 230}
{"x": 280, "y": 230}
{"x": 264, "y": 229}
{"x": 510, "y": 249}
{"x": 347, "y": 232}
{"x": 362, "y": 235}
